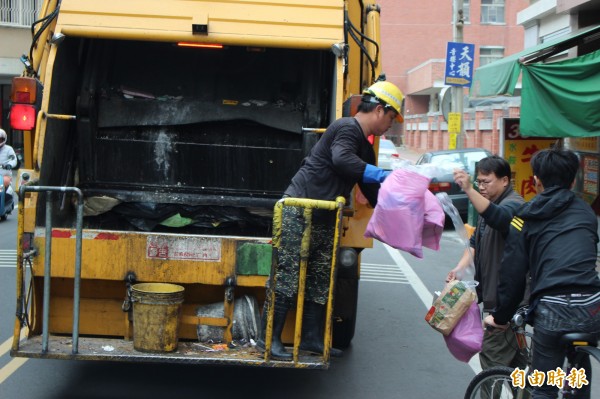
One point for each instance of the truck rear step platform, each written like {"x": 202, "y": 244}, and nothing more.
{"x": 111, "y": 349}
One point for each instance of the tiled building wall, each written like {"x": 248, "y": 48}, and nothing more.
{"x": 414, "y": 36}
{"x": 482, "y": 129}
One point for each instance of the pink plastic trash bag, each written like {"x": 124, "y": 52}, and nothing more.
{"x": 466, "y": 338}
{"x": 434, "y": 222}
{"x": 399, "y": 215}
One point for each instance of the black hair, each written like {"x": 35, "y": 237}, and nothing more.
{"x": 555, "y": 167}
{"x": 366, "y": 106}
{"x": 496, "y": 165}
{"x": 368, "y": 103}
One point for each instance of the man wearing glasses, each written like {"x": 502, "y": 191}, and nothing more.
{"x": 496, "y": 203}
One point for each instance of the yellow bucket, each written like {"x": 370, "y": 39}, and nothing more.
{"x": 156, "y": 310}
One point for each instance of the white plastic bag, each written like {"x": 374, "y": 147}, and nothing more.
{"x": 468, "y": 272}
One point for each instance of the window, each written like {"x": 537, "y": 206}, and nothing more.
{"x": 466, "y": 11}
{"x": 492, "y": 12}
{"x": 488, "y": 55}
{"x": 19, "y": 12}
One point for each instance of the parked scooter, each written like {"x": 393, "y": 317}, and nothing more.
{"x": 7, "y": 195}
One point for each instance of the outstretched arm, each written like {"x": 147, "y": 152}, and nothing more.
{"x": 462, "y": 178}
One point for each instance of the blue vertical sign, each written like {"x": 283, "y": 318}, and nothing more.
{"x": 459, "y": 64}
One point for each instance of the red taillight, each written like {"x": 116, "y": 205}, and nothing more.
{"x": 439, "y": 187}
{"x": 395, "y": 155}
{"x": 22, "y": 117}
{"x": 24, "y": 95}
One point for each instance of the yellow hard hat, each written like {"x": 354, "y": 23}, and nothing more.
{"x": 388, "y": 93}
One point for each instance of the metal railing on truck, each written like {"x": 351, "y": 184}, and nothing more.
{"x": 32, "y": 347}
{"x": 21, "y": 304}
{"x": 308, "y": 205}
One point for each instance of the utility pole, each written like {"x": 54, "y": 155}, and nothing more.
{"x": 457, "y": 91}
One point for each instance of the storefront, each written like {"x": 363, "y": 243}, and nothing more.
{"x": 559, "y": 100}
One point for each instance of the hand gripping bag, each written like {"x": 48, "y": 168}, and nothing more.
{"x": 398, "y": 218}
{"x": 466, "y": 339}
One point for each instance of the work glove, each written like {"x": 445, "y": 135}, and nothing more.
{"x": 373, "y": 174}
{"x": 7, "y": 166}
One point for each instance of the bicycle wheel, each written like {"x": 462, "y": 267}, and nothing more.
{"x": 495, "y": 383}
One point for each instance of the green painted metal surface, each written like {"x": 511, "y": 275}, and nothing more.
{"x": 253, "y": 258}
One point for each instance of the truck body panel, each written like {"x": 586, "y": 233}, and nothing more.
{"x": 289, "y": 24}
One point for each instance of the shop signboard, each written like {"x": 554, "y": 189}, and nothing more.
{"x": 518, "y": 151}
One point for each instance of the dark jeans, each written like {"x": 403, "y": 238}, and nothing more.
{"x": 555, "y": 316}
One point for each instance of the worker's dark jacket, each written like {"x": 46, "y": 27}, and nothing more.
{"x": 335, "y": 164}
{"x": 488, "y": 241}
{"x": 554, "y": 237}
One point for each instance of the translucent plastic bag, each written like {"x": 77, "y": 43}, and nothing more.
{"x": 469, "y": 272}
{"x": 466, "y": 339}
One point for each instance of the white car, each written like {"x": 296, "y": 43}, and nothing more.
{"x": 387, "y": 154}
{"x": 468, "y": 157}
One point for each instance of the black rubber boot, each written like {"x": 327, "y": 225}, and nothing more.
{"x": 277, "y": 349}
{"x": 312, "y": 330}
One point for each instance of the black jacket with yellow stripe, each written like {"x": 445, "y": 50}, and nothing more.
{"x": 554, "y": 237}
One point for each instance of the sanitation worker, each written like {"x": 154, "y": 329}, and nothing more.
{"x": 341, "y": 158}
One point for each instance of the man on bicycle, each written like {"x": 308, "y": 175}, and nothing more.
{"x": 554, "y": 238}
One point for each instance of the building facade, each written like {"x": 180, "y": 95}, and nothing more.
{"x": 414, "y": 39}
{"x": 540, "y": 21}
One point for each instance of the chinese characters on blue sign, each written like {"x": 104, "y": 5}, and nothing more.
{"x": 459, "y": 64}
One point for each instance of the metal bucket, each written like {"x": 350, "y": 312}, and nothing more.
{"x": 246, "y": 320}
{"x": 156, "y": 310}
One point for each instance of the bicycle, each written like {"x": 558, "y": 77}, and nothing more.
{"x": 499, "y": 382}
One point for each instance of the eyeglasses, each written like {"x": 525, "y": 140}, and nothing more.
{"x": 484, "y": 183}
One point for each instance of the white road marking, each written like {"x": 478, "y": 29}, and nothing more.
{"x": 14, "y": 364}
{"x": 422, "y": 291}
{"x": 374, "y": 272}
{"x": 8, "y": 257}
{"x": 11, "y": 367}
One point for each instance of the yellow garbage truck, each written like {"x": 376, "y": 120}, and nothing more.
{"x": 159, "y": 136}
